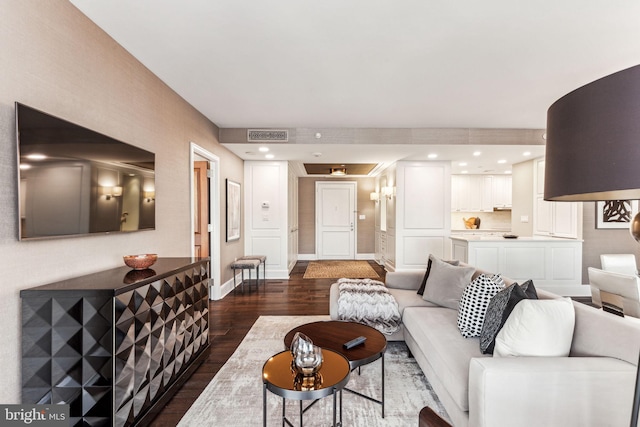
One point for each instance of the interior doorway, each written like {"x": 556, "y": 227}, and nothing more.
{"x": 201, "y": 221}
{"x": 336, "y": 220}
{"x": 205, "y": 212}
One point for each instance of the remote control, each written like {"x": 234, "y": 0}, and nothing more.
{"x": 354, "y": 342}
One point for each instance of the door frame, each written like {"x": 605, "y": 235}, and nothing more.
{"x": 353, "y": 184}
{"x": 215, "y": 291}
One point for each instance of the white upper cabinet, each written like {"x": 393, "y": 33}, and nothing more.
{"x": 480, "y": 193}
{"x": 502, "y": 191}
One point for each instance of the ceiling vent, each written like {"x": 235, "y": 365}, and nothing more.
{"x": 267, "y": 135}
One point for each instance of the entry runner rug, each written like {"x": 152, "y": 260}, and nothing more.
{"x": 234, "y": 397}
{"x": 339, "y": 269}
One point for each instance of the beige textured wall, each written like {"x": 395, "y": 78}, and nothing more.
{"x": 307, "y": 218}
{"x": 522, "y": 198}
{"x": 602, "y": 241}
{"x": 56, "y": 60}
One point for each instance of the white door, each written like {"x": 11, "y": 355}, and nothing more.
{"x": 335, "y": 220}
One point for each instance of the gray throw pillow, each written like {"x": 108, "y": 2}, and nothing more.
{"x": 426, "y": 274}
{"x": 500, "y": 307}
{"x": 446, "y": 283}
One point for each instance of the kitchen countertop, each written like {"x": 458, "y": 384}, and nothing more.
{"x": 499, "y": 238}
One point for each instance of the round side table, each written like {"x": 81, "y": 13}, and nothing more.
{"x": 279, "y": 377}
{"x": 332, "y": 334}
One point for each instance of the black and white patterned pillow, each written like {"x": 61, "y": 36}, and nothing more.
{"x": 474, "y": 302}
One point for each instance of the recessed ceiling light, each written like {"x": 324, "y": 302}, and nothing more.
{"x": 462, "y": 164}
{"x": 464, "y": 171}
{"x": 477, "y": 153}
{"x": 526, "y": 153}
{"x": 269, "y": 156}
{"x": 263, "y": 149}
{"x": 318, "y": 135}
{"x": 36, "y": 157}
{"x": 432, "y": 156}
{"x": 502, "y": 161}
{"x": 24, "y": 166}
{"x": 507, "y": 172}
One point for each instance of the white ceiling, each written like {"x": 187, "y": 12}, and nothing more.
{"x": 374, "y": 63}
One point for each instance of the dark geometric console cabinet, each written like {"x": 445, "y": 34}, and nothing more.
{"x": 115, "y": 345}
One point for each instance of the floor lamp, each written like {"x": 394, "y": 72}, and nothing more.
{"x": 593, "y": 150}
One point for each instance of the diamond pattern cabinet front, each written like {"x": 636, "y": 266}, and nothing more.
{"x": 160, "y": 327}
{"x": 113, "y": 357}
{"x": 66, "y": 355}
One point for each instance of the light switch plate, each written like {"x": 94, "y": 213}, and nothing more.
{"x": 362, "y": 217}
{"x": 524, "y": 218}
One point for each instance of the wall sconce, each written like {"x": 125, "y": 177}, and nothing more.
{"x": 374, "y": 196}
{"x": 388, "y": 192}
{"x": 109, "y": 192}
{"x": 149, "y": 196}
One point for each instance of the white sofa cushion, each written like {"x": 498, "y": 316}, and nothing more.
{"x": 537, "y": 328}
{"x": 436, "y": 333}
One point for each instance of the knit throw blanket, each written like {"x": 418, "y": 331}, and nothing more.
{"x": 368, "y": 302}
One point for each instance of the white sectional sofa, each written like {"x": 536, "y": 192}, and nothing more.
{"x": 592, "y": 387}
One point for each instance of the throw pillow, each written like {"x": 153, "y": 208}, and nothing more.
{"x": 426, "y": 274}
{"x": 498, "y": 311}
{"x": 446, "y": 283}
{"x": 474, "y": 302}
{"x": 537, "y": 328}
{"x": 529, "y": 289}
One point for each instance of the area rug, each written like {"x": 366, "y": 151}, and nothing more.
{"x": 339, "y": 269}
{"x": 234, "y": 397}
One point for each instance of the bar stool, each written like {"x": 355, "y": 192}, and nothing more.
{"x": 245, "y": 264}
{"x": 263, "y": 261}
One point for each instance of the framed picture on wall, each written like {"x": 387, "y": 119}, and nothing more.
{"x": 233, "y": 210}
{"x": 615, "y": 213}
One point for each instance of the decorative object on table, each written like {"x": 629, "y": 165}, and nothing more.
{"x": 510, "y": 236}
{"x": 307, "y": 382}
{"x": 595, "y": 129}
{"x": 141, "y": 261}
{"x": 233, "y": 210}
{"x": 307, "y": 358}
{"x": 472, "y": 223}
{"x": 615, "y": 213}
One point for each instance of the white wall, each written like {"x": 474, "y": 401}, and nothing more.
{"x": 266, "y": 210}
{"x": 423, "y": 213}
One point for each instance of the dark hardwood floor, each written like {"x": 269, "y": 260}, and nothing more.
{"x": 231, "y": 318}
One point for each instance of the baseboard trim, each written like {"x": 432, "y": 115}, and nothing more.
{"x": 314, "y": 257}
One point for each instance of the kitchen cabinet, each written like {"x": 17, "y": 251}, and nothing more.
{"x": 480, "y": 193}
{"x": 502, "y": 189}
{"x": 552, "y": 263}
{"x": 558, "y": 219}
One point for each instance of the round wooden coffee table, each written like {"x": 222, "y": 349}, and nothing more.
{"x": 333, "y": 334}
{"x": 279, "y": 378}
